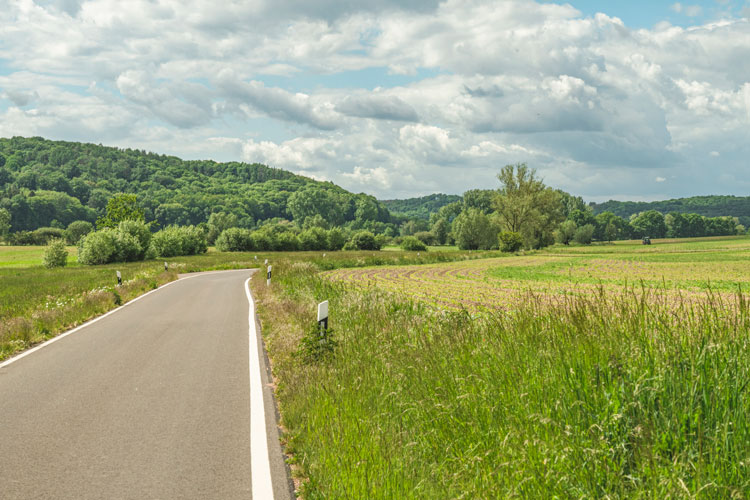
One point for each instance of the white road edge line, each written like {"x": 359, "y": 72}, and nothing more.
{"x": 259, "y": 462}
{"x": 92, "y": 321}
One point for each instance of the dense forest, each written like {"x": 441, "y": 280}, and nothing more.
{"x": 47, "y": 183}
{"x": 422, "y": 207}
{"x": 708, "y": 206}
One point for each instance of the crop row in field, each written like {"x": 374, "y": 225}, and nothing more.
{"x": 676, "y": 273}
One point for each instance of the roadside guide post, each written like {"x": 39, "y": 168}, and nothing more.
{"x": 119, "y": 278}
{"x": 323, "y": 318}
{"x": 166, "y": 266}
{"x": 268, "y": 276}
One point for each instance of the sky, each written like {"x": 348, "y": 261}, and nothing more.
{"x": 637, "y": 100}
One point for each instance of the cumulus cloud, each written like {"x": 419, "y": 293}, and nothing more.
{"x": 595, "y": 105}
{"x": 380, "y": 107}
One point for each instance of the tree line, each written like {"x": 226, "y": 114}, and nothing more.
{"x": 525, "y": 213}
{"x": 54, "y": 183}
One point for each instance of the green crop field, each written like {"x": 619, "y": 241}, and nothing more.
{"x": 612, "y": 371}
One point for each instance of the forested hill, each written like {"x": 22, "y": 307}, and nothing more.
{"x": 52, "y": 183}
{"x": 708, "y": 206}
{"x": 420, "y": 208}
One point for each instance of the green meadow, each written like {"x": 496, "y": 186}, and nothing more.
{"x": 614, "y": 393}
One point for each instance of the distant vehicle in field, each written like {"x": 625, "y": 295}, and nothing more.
{"x": 646, "y": 240}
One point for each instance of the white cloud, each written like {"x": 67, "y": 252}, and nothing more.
{"x": 594, "y": 105}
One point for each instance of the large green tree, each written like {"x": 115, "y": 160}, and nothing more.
{"x": 122, "y": 206}
{"x": 473, "y": 230}
{"x": 526, "y": 206}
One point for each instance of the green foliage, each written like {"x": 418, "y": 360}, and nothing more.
{"x": 217, "y": 223}
{"x": 4, "y": 223}
{"x": 481, "y": 199}
{"x": 55, "y": 255}
{"x": 510, "y": 241}
{"x": 412, "y": 244}
{"x": 315, "y": 347}
{"x": 707, "y": 206}
{"x": 526, "y": 206}
{"x": 650, "y": 223}
{"x": 420, "y": 208}
{"x": 363, "y": 240}
{"x": 440, "y": 229}
{"x": 584, "y": 234}
{"x": 473, "y": 231}
{"x": 235, "y": 239}
{"x": 128, "y": 242}
{"x": 77, "y": 230}
{"x": 66, "y": 181}
{"x": 565, "y": 232}
{"x": 610, "y": 232}
{"x": 314, "y": 238}
{"x": 40, "y": 236}
{"x": 425, "y": 237}
{"x": 174, "y": 241}
{"x": 140, "y": 233}
{"x": 99, "y": 247}
{"x": 121, "y": 207}
{"x": 336, "y": 239}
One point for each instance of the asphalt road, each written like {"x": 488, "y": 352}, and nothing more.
{"x": 152, "y": 401}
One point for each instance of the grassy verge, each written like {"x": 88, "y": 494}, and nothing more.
{"x": 622, "y": 396}
{"x": 37, "y": 303}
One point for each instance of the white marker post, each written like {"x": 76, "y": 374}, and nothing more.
{"x": 268, "y": 276}
{"x": 323, "y": 318}
{"x": 266, "y": 262}
{"x": 119, "y": 278}
{"x": 166, "y": 266}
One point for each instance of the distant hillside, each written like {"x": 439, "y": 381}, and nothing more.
{"x": 420, "y": 208}
{"x": 708, "y": 206}
{"x": 52, "y": 183}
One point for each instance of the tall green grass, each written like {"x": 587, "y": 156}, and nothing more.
{"x": 621, "y": 396}
{"x": 38, "y": 303}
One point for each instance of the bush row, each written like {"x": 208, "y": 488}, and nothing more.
{"x": 271, "y": 238}
{"x": 132, "y": 241}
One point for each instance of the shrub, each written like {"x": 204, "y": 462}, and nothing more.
{"x": 412, "y": 244}
{"x": 138, "y": 230}
{"x": 510, "y": 241}
{"x": 98, "y": 247}
{"x": 584, "y": 234}
{"x": 127, "y": 248}
{"x": 55, "y": 255}
{"x": 235, "y": 239}
{"x": 336, "y": 239}
{"x": 287, "y": 242}
{"x": 363, "y": 240}
{"x": 314, "y": 238}
{"x": 40, "y": 236}
{"x": 262, "y": 240}
{"x": 426, "y": 237}
{"x": 77, "y": 230}
{"x": 173, "y": 241}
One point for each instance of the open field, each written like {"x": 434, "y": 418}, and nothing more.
{"x": 679, "y": 270}
{"x": 599, "y": 394}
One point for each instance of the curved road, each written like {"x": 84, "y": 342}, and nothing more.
{"x": 151, "y": 401}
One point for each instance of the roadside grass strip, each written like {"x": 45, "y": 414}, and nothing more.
{"x": 596, "y": 395}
